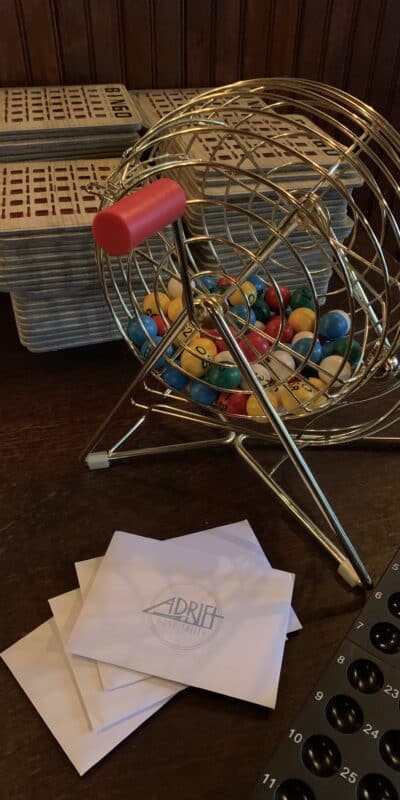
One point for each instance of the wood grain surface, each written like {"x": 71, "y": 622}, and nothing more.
{"x": 53, "y": 511}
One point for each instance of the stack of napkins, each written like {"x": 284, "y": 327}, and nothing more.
{"x": 150, "y": 618}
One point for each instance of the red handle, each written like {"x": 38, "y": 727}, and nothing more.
{"x": 133, "y": 219}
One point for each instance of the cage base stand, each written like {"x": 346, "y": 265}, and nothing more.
{"x": 119, "y": 454}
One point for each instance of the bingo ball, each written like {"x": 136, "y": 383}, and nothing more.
{"x": 175, "y": 378}
{"x": 334, "y": 324}
{"x": 302, "y": 298}
{"x": 304, "y": 347}
{"x": 328, "y": 349}
{"x": 332, "y": 365}
{"x": 321, "y": 399}
{"x": 255, "y": 409}
{"x": 198, "y": 365}
{"x": 226, "y": 280}
{"x": 147, "y": 348}
{"x": 258, "y": 283}
{"x": 175, "y": 307}
{"x": 207, "y": 282}
{"x": 245, "y": 313}
{"x": 262, "y": 373}
{"x": 271, "y": 297}
{"x": 162, "y": 327}
{"x": 247, "y": 289}
{"x": 259, "y": 325}
{"x": 135, "y": 329}
{"x": 233, "y": 402}
{"x": 302, "y": 319}
{"x": 224, "y": 357}
{"x": 201, "y": 393}
{"x": 258, "y": 343}
{"x": 174, "y": 288}
{"x": 281, "y": 364}
{"x": 261, "y": 310}
{"x": 295, "y": 394}
{"x": 273, "y": 326}
{"x": 355, "y": 352}
{"x": 223, "y": 376}
{"x": 153, "y": 302}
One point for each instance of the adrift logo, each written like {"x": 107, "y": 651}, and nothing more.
{"x": 185, "y": 616}
{"x": 117, "y": 102}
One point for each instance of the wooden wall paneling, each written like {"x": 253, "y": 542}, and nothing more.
{"x": 199, "y": 35}
{"x": 363, "y": 47}
{"x": 105, "y": 35}
{"x": 13, "y": 67}
{"x": 72, "y": 25}
{"x": 255, "y": 24}
{"x": 385, "y": 69}
{"x": 286, "y": 21}
{"x": 314, "y": 27}
{"x": 138, "y": 38}
{"x": 227, "y": 41}
{"x": 41, "y": 41}
{"x": 338, "y": 42}
{"x": 168, "y": 45}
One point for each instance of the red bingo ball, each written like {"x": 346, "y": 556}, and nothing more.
{"x": 233, "y": 403}
{"x": 161, "y": 326}
{"x": 227, "y": 280}
{"x": 272, "y": 329}
{"x": 254, "y": 345}
{"x": 272, "y": 299}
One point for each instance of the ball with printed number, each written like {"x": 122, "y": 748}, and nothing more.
{"x": 153, "y": 302}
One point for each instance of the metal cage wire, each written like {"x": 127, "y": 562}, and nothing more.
{"x": 294, "y": 181}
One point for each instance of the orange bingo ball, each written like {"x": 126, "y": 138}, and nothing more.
{"x": 302, "y": 319}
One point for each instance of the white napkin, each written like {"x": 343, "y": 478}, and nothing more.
{"x": 39, "y": 665}
{"x": 233, "y": 538}
{"x": 211, "y": 620}
{"x": 104, "y": 708}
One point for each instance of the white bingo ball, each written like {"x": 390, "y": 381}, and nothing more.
{"x": 260, "y": 325}
{"x": 263, "y": 375}
{"x": 302, "y": 335}
{"x": 331, "y": 365}
{"x": 281, "y": 364}
{"x": 224, "y": 357}
{"x": 174, "y": 288}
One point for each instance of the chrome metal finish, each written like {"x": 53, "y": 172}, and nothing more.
{"x": 295, "y": 181}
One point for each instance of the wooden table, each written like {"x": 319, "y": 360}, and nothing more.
{"x": 53, "y": 511}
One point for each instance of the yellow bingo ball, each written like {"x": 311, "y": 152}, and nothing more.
{"x": 150, "y": 303}
{"x": 302, "y": 319}
{"x": 175, "y": 307}
{"x": 298, "y": 394}
{"x": 254, "y": 408}
{"x": 318, "y": 385}
{"x": 247, "y": 289}
{"x": 198, "y": 365}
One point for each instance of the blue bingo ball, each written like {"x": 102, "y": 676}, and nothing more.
{"x": 207, "y": 282}
{"x": 334, "y": 324}
{"x": 328, "y": 349}
{"x": 174, "y": 378}
{"x": 202, "y": 394}
{"x": 304, "y": 347}
{"x": 148, "y": 347}
{"x": 258, "y": 284}
{"x": 136, "y": 332}
{"x": 243, "y": 311}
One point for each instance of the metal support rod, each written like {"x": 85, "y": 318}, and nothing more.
{"x": 345, "y": 568}
{"x": 288, "y": 442}
{"x": 128, "y": 455}
{"x": 158, "y": 351}
{"x": 184, "y": 268}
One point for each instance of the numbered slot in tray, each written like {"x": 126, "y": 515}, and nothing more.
{"x": 345, "y": 742}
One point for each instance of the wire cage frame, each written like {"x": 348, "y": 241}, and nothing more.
{"x": 287, "y": 182}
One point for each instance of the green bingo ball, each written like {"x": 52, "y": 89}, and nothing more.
{"x": 355, "y": 352}
{"x": 302, "y": 298}
{"x": 261, "y": 310}
{"x": 224, "y": 376}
